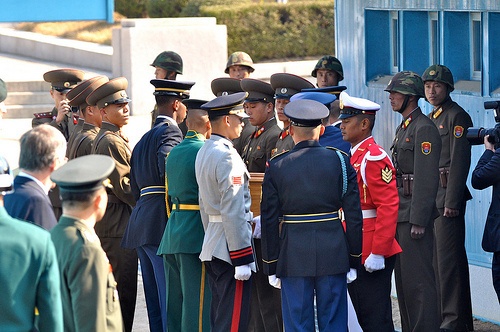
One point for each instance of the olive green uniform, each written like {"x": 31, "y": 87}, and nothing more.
{"x": 88, "y": 288}
{"x": 450, "y": 260}
{"x": 82, "y": 143}
{"x": 415, "y": 154}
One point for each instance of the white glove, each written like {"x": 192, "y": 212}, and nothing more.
{"x": 257, "y": 229}
{"x": 275, "y": 281}
{"x": 351, "y": 275}
{"x": 374, "y": 263}
{"x": 242, "y": 272}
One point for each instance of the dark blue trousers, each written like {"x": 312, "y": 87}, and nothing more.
{"x": 297, "y": 298}
{"x": 155, "y": 287}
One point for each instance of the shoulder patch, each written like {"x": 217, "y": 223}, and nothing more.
{"x": 426, "y": 148}
{"x": 335, "y": 149}
{"x": 375, "y": 153}
{"x": 458, "y": 131}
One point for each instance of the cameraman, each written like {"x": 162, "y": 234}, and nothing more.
{"x": 484, "y": 175}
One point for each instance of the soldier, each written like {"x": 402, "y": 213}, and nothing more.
{"x": 304, "y": 246}
{"x": 415, "y": 154}
{"x": 43, "y": 150}
{"x": 29, "y": 273}
{"x": 147, "y": 183}
{"x": 88, "y": 288}
{"x": 61, "y": 116}
{"x": 239, "y": 65}
{"x": 265, "y": 313}
{"x": 450, "y": 260}
{"x": 224, "y": 200}
{"x": 112, "y": 102}
{"x": 167, "y": 65}
{"x": 332, "y": 136}
{"x": 328, "y": 72}
{"x": 80, "y": 143}
{"x": 285, "y": 86}
{"x": 376, "y": 177}
{"x": 188, "y": 293}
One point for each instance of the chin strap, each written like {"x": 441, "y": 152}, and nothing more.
{"x": 405, "y": 103}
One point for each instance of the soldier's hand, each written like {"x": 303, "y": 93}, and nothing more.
{"x": 351, "y": 275}
{"x": 62, "y": 109}
{"x": 242, "y": 272}
{"x": 450, "y": 213}
{"x": 417, "y": 232}
{"x": 275, "y": 281}
{"x": 374, "y": 263}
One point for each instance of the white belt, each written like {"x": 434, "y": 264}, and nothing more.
{"x": 369, "y": 214}
{"x": 214, "y": 218}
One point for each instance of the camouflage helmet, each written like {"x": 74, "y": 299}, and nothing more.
{"x": 439, "y": 73}
{"x": 239, "y": 59}
{"x": 169, "y": 61}
{"x": 331, "y": 63}
{"x": 3, "y": 90}
{"x": 407, "y": 83}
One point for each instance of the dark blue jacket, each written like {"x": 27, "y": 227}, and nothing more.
{"x": 333, "y": 137}
{"x": 487, "y": 173}
{"x": 147, "y": 168}
{"x": 29, "y": 202}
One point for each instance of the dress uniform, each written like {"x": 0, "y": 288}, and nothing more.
{"x": 450, "y": 260}
{"x": 188, "y": 293}
{"x": 29, "y": 273}
{"x": 109, "y": 141}
{"x": 88, "y": 288}
{"x": 484, "y": 175}
{"x": 148, "y": 219}
{"x": 415, "y": 155}
{"x": 80, "y": 142}
{"x": 376, "y": 178}
{"x": 265, "y": 313}
{"x": 303, "y": 240}
{"x": 224, "y": 200}
{"x": 62, "y": 81}
{"x": 285, "y": 86}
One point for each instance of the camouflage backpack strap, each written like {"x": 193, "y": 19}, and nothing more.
{"x": 343, "y": 166}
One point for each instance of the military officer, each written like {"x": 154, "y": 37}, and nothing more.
{"x": 285, "y": 86}
{"x": 28, "y": 271}
{"x": 450, "y": 260}
{"x": 167, "y": 64}
{"x": 61, "y": 116}
{"x": 147, "y": 182}
{"x": 259, "y": 105}
{"x": 328, "y": 71}
{"x": 226, "y": 86}
{"x": 88, "y": 288}
{"x": 224, "y": 200}
{"x": 332, "y": 136}
{"x": 311, "y": 254}
{"x": 112, "y": 101}
{"x": 80, "y": 143}
{"x": 376, "y": 178}
{"x": 188, "y": 293}
{"x": 415, "y": 154}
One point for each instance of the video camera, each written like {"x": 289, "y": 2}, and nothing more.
{"x": 476, "y": 135}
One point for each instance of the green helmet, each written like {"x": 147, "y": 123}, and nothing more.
{"x": 407, "y": 83}
{"x": 3, "y": 90}
{"x": 239, "y": 59}
{"x": 331, "y": 63}
{"x": 439, "y": 73}
{"x": 169, "y": 61}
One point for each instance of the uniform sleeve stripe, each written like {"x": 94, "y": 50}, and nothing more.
{"x": 241, "y": 253}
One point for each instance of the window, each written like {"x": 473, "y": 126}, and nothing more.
{"x": 476, "y": 46}
{"x": 394, "y": 31}
{"x": 434, "y": 38}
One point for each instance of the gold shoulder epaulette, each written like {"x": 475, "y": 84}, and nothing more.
{"x": 279, "y": 154}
